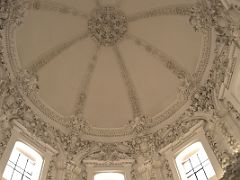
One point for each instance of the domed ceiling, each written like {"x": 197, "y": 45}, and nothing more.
{"x": 109, "y": 62}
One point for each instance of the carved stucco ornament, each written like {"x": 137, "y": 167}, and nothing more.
{"x": 27, "y": 82}
{"x": 140, "y": 124}
{"x": 212, "y": 13}
{"x": 12, "y": 107}
{"x": 200, "y": 18}
{"x": 232, "y": 171}
{"x": 234, "y": 113}
{"x": 107, "y": 25}
{"x": 14, "y": 9}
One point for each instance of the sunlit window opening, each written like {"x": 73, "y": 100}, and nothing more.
{"x": 24, "y": 163}
{"x": 194, "y": 164}
{"x": 109, "y": 176}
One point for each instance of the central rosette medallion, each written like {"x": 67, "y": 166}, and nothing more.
{"x": 107, "y": 25}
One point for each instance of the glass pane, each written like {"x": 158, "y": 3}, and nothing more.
{"x": 29, "y": 167}
{"x": 187, "y": 166}
{"x": 14, "y": 157}
{"x": 8, "y": 172}
{"x": 201, "y": 175}
{"x": 22, "y": 161}
{"x": 19, "y": 169}
{"x": 27, "y": 175}
{"x": 194, "y": 160}
{"x": 193, "y": 177}
{"x": 11, "y": 164}
{"x": 197, "y": 168}
{"x": 209, "y": 171}
{"x": 109, "y": 176}
{"x": 189, "y": 173}
{"x": 202, "y": 156}
{"x": 26, "y": 178}
{"x": 17, "y": 176}
{"x": 205, "y": 163}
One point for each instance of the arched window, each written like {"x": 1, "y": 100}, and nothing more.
{"x": 24, "y": 163}
{"x": 194, "y": 164}
{"x": 109, "y": 176}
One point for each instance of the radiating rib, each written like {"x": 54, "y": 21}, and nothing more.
{"x": 165, "y": 59}
{"x": 181, "y": 9}
{"x": 48, "y": 5}
{"x": 85, "y": 83}
{"x": 54, "y": 52}
{"x": 133, "y": 98}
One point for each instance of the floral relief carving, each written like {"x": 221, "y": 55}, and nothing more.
{"x": 50, "y": 173}
{"x": 213, "y": 13}
{"x": 232, "y": 171}
{"x": 166, "y": 167}
{"x": 234, "y": 113}
{"x": 57, "y": 7}
{"x": 232, "y": 142}
{"x": 172, "y": 132}
{"x": 13, "y": 107}
{"x": 27, "y": 82}
{"x": 107, "y": 25}
{"x": 14, "y": 9}
{"x": 222, "y": 155}
{"x": 200, "y": 18}
{"x": 139, "y": 124}
{"x": 108, "y": 153}
{"x": 202, "y": 99}
{"x": 179, "y": 9}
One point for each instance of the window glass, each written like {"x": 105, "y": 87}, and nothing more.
{"x": 109, "y": 176}
{"x": 24, "y": 163}
{"x": 193, "y": 163}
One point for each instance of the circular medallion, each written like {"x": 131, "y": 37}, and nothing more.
{"x": 107, "y": 25}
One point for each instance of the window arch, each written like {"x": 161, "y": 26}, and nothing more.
{"x": 193, "y": 163}
{"x": 24, "y": 163}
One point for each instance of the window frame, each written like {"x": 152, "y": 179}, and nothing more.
{"x": 19, "y": 133}
{"x": 30, "y": 155}
{"x": 113, "y": 171}
{"x": 196, "y": 147}
{"x": 94, "y": 167}
{"x": 195, "y": 134}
